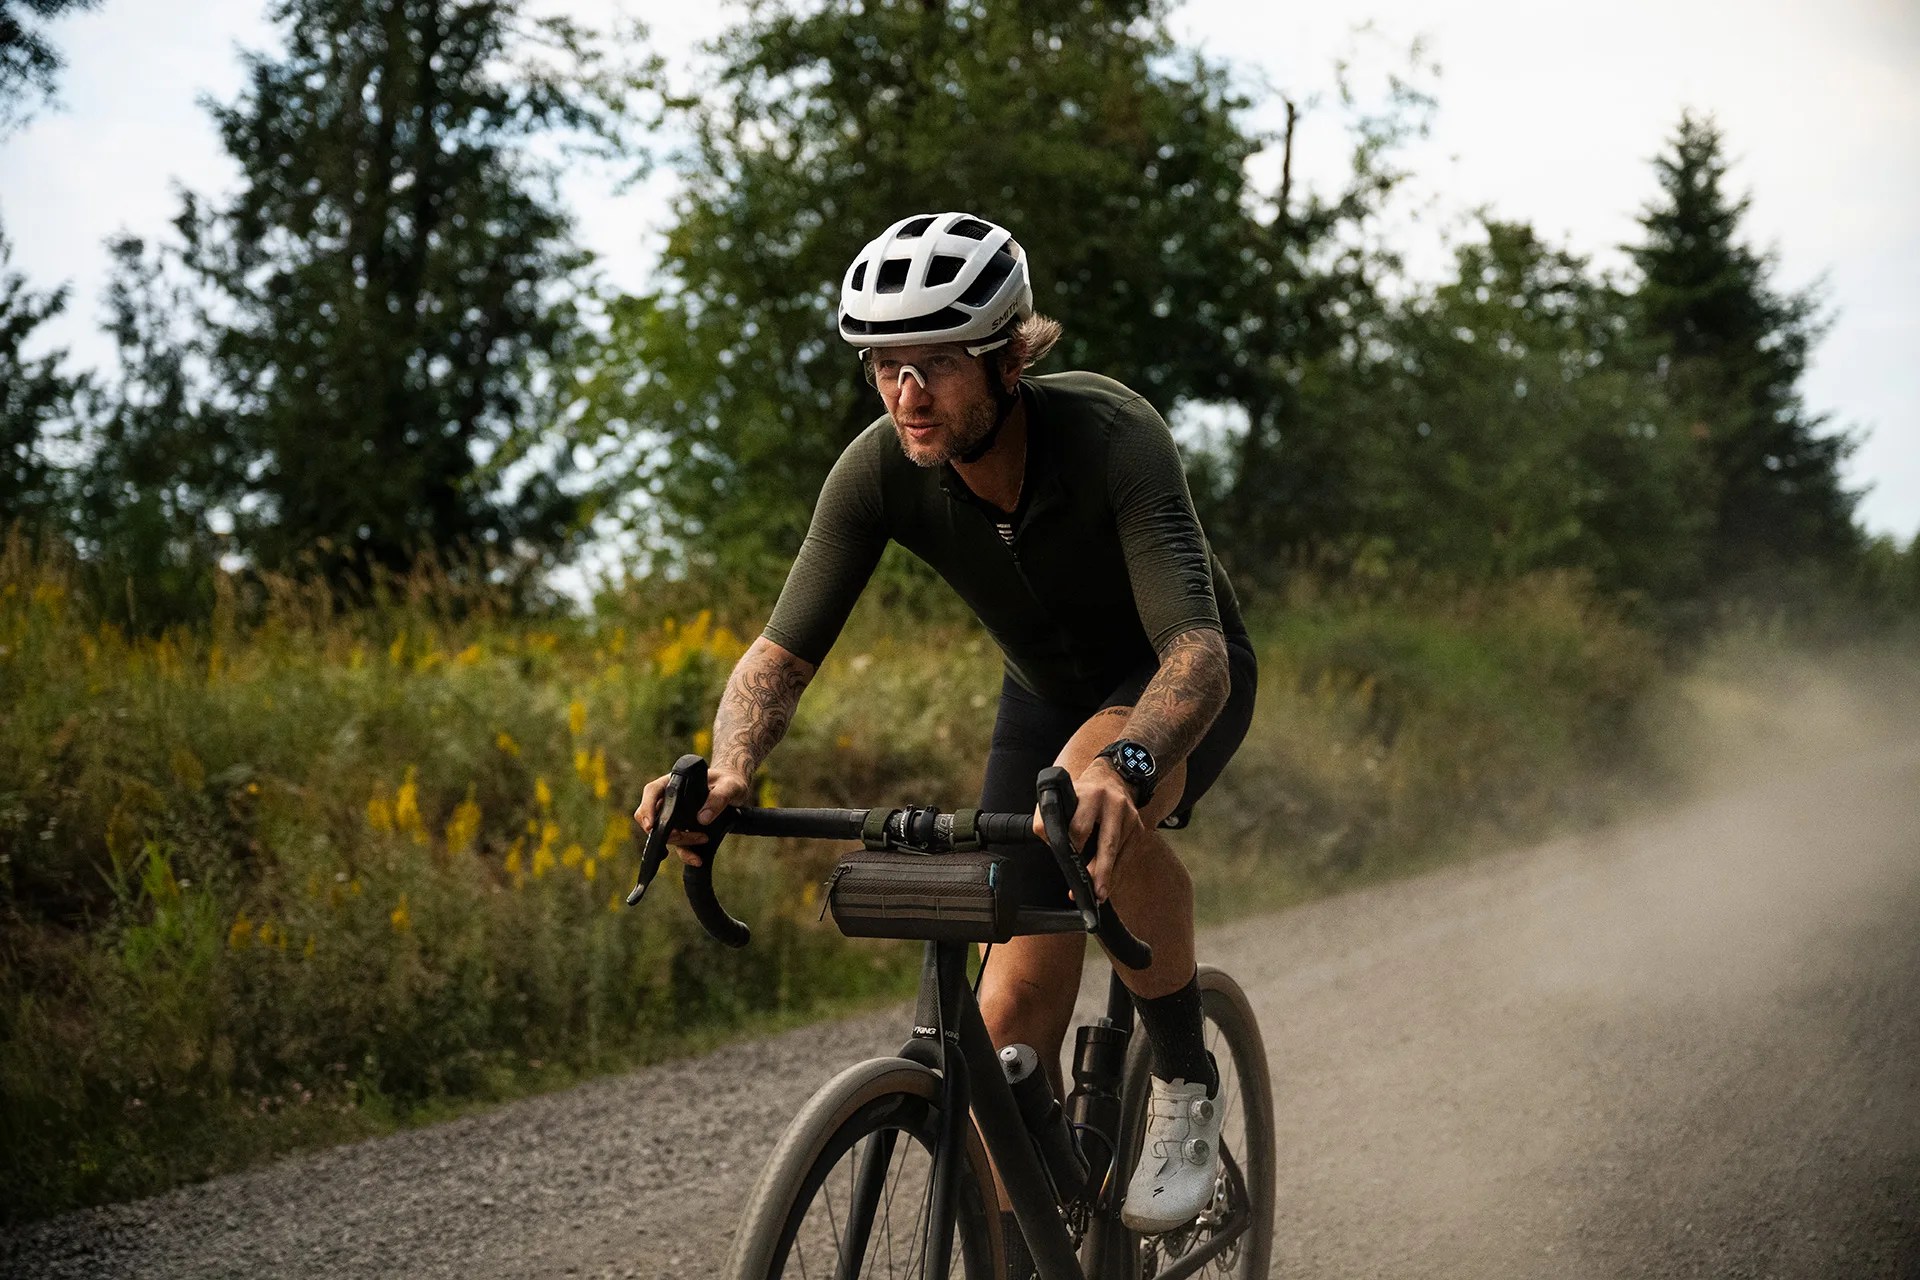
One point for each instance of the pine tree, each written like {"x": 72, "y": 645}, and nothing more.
{"x": 36, "y": 401}
{"x": 28, "y": 60}
{"x": 1515, "y": 428}
{"x": 1735, "y": 349}
{"x": 394, "y": 285}
{"x": 160, "y": 455}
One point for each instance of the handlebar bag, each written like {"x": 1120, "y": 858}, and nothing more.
{"x": 948, "y": 897}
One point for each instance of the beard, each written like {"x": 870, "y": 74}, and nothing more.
{"x": 958, "y": 435}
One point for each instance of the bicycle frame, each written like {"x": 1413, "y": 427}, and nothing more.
{"x": 950, "y": 1038}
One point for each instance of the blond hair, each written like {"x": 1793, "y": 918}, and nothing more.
{"x": 1030, "y": 341}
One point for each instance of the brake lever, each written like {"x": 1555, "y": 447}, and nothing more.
{"x": 679, "y": 806}
{"x": 1057, "y": 805}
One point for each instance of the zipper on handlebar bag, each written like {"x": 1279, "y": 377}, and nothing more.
{"x": 953, "y": 897}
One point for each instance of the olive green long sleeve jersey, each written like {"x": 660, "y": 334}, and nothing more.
{"x": 1103, "y": 564}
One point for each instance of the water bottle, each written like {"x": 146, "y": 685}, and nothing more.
{"x": 1045, "y": 1120}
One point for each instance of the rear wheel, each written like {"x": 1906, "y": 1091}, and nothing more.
{"x": 849, "y": 1189}
{"x": 1233, "y": 1236}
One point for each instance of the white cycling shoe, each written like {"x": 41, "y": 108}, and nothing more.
{"x": 1179, "y": 1160}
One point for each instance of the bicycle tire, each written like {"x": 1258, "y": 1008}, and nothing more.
{"x": 1233, "y": 1036}
{"x": 788, "y": 1221}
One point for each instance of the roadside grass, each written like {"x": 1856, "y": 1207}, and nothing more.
{"x": 304, "y": 874}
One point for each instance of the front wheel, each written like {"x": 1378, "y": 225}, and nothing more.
{"x": 1233, "y": 1236}
{"x": 848, "y": 1191}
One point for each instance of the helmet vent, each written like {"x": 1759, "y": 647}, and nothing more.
{"x": 972, "y": 228}
{"x": 945, "y": 318}
{"x": 998, "y": 268}
{"x": 943, "y": 269}
{"x": 918, "y": 227}
{"x": 893, "y": 276}
{"x": 859, "y": 275}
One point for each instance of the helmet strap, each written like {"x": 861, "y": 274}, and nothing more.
{"x": 1008, "y": 401}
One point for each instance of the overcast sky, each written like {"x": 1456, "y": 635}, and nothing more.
{"x": 1547, "y": 113}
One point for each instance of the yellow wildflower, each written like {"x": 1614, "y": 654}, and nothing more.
{"x": 214, "y": 661}
{"x": 725, "y": 645}
{"x": 572, "y": 855}
{"x": 464, "y": 825}
{"x": 400, "y": 917}
{"x": 380, "y": 811}
{"x": 356, "y": 657}
{"x": 516, "y": 868}
{"x": 505, "y": 742}
{"x": 543, "y": 852}
{"x": 469, "y": 655}
{"x": 240, "y": 936}
{"x": 583, "y": 764}
{"x": 588, "y": 869}
{"x": 406, "y": 808}
{"x": 542, "y": 793}
{"x": 702, "y": 741}
{"x": 310, "y": 948}
{"x": 613, "y": 838}
{"x": 576, "y": 717}
{"x": 397, "y": 650}
{"x": 265, "y": 933}
{"x": 599, "y": 778}
{"x": 844, "y": 742}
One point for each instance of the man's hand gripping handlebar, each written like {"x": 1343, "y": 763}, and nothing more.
{"x": 680, "y": 811}
{"x": 920, "y": 829}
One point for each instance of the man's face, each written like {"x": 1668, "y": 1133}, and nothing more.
{"x": 941, "y": 420}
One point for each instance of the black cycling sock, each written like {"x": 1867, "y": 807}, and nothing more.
{"x": 1019, "y": 1261}
{"x": 1173, "y": 1027}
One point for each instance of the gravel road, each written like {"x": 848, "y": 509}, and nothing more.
{"x": 1686, "y": 1047}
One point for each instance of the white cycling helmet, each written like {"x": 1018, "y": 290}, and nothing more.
{"x": 935, "y": 277}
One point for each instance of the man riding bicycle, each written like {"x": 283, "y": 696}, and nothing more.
{"x": 1057, "y": 507}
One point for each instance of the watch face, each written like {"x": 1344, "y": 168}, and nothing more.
{"x": 1135, "y": 758}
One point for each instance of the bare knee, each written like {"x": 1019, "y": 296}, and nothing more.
{"x": 1020, "y": 1009}
{"x": 1151, "y": 874}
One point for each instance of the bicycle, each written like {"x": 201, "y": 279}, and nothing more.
{"x": 880, "y": 1174}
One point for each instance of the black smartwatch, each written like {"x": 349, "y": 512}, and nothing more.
{"x": 1136, "y": 767}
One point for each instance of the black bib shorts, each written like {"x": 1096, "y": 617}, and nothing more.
{"x": 1029, "y": 732}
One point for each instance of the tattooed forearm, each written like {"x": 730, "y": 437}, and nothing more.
{"x": 758, "y": 705}
{"x": 1178, "y": 705}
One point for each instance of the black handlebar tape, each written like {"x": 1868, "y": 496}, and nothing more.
{"x": 1057, "y": 805}
{"x": 723, "y": 928}
{"x": 1008, "y": 829}
{"x": 1120, "y": 942}
{"x": 801, "y": 824}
